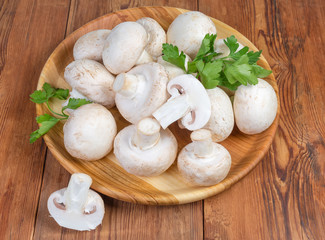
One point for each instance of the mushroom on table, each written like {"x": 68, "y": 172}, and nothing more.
{"x": 125, "y": 47}
{"x": 91, "y": 45}
{"x": 255, "y": 107}
{"x": 89, "y": 132}
{"x": 187, "y": 31}
{"x": 189, "y": 102}
{"x": 203, "y": 162}
{"x": 91, "y": 80}
{"x": 145, "y": 149}
{"x": 140, "y": 91}
{"x": 156, "y": 36}
{"x": 77, "y": 207}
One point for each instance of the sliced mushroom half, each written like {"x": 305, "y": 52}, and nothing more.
{"x": 189, "y": 102}
{"x": 77, "y": 207}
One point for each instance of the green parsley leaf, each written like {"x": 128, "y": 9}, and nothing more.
{"x": 239, "y": 53}
{"x": 38, "y": 96}
{"x": 41, "y": 96}
{"x": 47, "y": 122}
{"x": 260, "y": 72}
{"x": 238, "y": 68}
{"x": 207, "y": 46}
{"x": 232, "y": 44}
{"x": 191, "y": 67}
{"x": 49, "y": 90}
{"x": 210, "y": 74}
{"x": 74, "y": 103}
{"x": 171, "y": 54}
{"x": 240, "y": 71}
{"x": 254, "y": 56}
{"x": 61, "y": 94}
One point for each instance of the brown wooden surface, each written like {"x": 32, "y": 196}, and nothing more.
{"x": 169, "y": 187}
{"x": 282, "y": 198}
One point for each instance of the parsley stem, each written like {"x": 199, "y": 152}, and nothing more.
{"x": 64, "y": 116}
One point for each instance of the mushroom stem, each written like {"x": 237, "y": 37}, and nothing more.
{"x": 127, "y": 84}
{"x": 147, "y": 134}
{"x": 203, "y": 142}
{"x": 172, "y": 110}
{"x": 77, "y": 192}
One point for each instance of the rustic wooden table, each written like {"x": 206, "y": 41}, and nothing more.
{"x": 282, "y": 198}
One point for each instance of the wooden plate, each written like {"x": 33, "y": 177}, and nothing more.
{"x": 108, "y": 176}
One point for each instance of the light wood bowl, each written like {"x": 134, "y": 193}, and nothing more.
{"x": 108, "y": 176}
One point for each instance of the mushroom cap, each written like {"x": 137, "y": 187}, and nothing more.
{"x": 204, "y": 171}
{"x": 91, "y": 45}
{"x": 221, "y": 122}
{"x": 255, "y": 107}
{"x": 150, "y": 95}
{"x": 188, "y": 30}
{"x": 124, "y": 45}
{"x": 91, "y": 79}
{"x": 171, "y": 69}
{"x": 89, "y": 132}
{"x": 149, "y": 162}
{"x": 197, "y": 98}
{"x": 157, "y": 36}
{"x": 76, "y": 220}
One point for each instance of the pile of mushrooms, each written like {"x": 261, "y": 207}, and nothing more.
{"x": 124, "y": 67}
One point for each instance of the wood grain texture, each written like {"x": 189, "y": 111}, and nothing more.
{"x": 122, "y": 220}
{"x": 25, "y": 44}
{"x": 286, "y": 191}
{"x": 282, "y": 198}
{"x": 108, "y": 176}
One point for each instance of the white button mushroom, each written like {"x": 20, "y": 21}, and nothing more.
{"x": 255, "y": 107}
{"x": 145, "y": 149}
{"x": 91, "y": 45}
{"x": 171, "y": 69}
{"x": 187, "y": 31}
{"x": 221, "y": 122}
{"x": 89, "y": 132}
{"x": 77, "y": 207}
{"x": 125, "y": 47}
{"x": 92, "y": 80}
{"x": 140, "y": 91}
{"x": 203, "y": 162}
{"x": 189, "y": 102}
{"x": 157, "y": 36}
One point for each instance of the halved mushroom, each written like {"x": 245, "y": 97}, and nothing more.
{"x": 89, "y": 132}
{"x": 189, "y": 102}
{"x": 140, "y": 91}
{"x": 187, "y": 31}
{"x": 125, "y": 47}
{"x": 91, "y": 45}
{"x": 221, "y": 122}
{"x": 203, "y": 162}
{"x": 145, "y": 149}
{"x": 157, "y": 36}
{"x": 92, "y": 80}
{"x": 77, "y": 207}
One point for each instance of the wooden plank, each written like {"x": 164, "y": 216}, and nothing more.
{"x": 25, "y": 42}
{"x": 122, "y": 220}
{"x": 283, "y": 197}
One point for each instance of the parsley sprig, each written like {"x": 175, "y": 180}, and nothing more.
{"x": 47, "y": 121}
{"x": 238, "y": 68}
